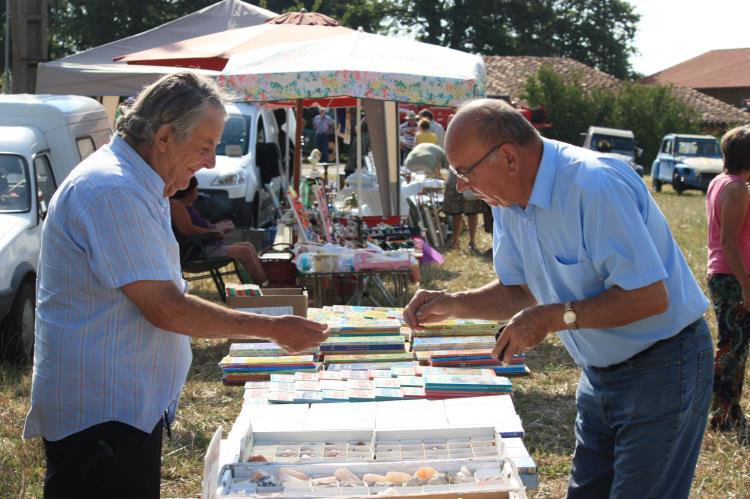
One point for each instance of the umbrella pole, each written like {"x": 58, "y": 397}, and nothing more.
{"x": 336, "y": 136}
{"x": 298, "y": 145}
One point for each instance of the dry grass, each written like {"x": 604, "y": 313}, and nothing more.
{"x": 544, "y": 400}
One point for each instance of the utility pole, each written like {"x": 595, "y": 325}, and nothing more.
{"x": 6, "y": 69}
{"x": 28, "y": 33}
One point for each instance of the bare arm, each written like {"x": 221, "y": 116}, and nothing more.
{"x": 492, "y": 302}
{"x": 167, "y": 308}
{"x": 613, "y": 308}
{"x": 734, "y": 202}
{"x": 183, "y": 223}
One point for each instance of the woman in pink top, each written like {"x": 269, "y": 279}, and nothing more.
{"x": 727, "y": 203}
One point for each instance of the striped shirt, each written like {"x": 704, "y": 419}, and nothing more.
{"x": 97, "y": 358}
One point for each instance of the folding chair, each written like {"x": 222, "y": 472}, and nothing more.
{"x": 197, "y": 265}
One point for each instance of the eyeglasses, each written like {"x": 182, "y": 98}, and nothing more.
{"x": 463, "y": 175}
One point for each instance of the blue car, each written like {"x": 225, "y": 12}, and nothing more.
{"x": 687, "y": 162}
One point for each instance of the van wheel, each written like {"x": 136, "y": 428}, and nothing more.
{"x": 657, "y": 185}
{"x": 677, "y": 184}
{"x": 17, "y": 338}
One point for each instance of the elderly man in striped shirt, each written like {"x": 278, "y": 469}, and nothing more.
{"x": 113, "y": 320}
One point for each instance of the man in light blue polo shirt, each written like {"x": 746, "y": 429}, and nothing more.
{"x": 113, "y": 321}
{"x": 581, "y": 249}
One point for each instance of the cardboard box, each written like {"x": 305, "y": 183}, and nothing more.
{"x": 275, "y": 301}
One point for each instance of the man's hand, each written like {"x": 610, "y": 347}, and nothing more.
{"x": 428, "y": 306}
{"x": 523, "y": 331}
{"x": 296, "y": 334}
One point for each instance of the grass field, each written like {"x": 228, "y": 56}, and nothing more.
{"x": 544, "y": 400}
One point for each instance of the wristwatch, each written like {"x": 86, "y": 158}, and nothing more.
{"x": 570, "y": 317}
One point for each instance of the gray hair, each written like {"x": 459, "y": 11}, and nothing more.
{"x": 177, "y": 99}
{"x": 495, "y": 121}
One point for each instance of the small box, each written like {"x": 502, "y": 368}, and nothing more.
{"x": 274, "y": 301}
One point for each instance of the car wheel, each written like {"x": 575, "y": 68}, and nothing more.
{"x": 657, "y": 184}
{"x": 17, "y": 330}
{"x": 677, "y": 184}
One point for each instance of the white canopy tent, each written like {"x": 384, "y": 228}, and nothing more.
{"x": 93, "y": 72}
{"x": 288, "y": 62}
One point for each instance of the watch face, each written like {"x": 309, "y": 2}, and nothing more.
{"x": 569, "y": 317}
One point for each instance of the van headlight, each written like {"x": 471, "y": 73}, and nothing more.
{"x": 229, "y": 179}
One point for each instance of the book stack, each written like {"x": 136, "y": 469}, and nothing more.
{"x": 377, "y": 384}
{"x": 476, "y": 358}
{"x": 233, "y": 289}
{"x": 241, "y": 369}
{"x": 369, "y": 344}
{"x": 440, "y": 386}
{"x": 385, "y": 327}
{"x": 458, "y": 327}
{"x": 381, "y": 359}
{"x": 264, "y": 349}
{"x": 453, "y": 343}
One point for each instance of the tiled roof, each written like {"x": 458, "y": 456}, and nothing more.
{"x": 506, "y": 75}
{"x": 728, "y": 68}
{"x": 713, "y": 111}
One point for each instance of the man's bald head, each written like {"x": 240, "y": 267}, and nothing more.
{"x": 491, "y": 121}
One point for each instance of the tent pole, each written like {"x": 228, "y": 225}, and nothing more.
{"x": 359, "y": 156}
{"x": 285, "y": 182}
{"x": 298, "y": 145}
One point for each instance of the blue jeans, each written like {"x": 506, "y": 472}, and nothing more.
{"x": 640, "y": 423}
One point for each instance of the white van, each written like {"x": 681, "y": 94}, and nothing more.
{"x": 614, "y": 142}
{"x": 249, "y": 165}
{"x": 42, "y": 138}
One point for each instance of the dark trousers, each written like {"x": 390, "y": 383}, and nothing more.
{"x": 112, "y": 460}
{"x": 321, "y": 142}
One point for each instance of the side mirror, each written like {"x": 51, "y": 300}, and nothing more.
{"x": 638, "y": 152}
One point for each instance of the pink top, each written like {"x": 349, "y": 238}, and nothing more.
{"x": 717, "y": 263}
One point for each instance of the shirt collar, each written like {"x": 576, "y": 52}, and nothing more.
{"x": 153, "y": 183}
{"x": 541, "y": 193}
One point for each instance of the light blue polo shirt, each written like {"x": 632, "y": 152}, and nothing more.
{"x": 591, "y": 224}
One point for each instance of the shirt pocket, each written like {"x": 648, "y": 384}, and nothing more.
{"x": 576, "y": 280}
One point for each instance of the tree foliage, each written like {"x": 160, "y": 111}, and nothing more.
{"x": 650, "y": 111}
{"x": 599, "y": 33}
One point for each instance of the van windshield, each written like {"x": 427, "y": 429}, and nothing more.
{"x": 14, "y": 184}
{"x": 235, "y": 134}
{"x": 618, "y": 145}
{"x": 703, "y": 148}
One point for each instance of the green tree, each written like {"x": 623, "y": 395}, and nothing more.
{"x": 650, "y": 111}
{"x": 599, "y": 33}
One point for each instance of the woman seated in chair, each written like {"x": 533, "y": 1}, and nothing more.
{"x": 188, "y": 222}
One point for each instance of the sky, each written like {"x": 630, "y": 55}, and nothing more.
{"x": 673, "y": 31}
